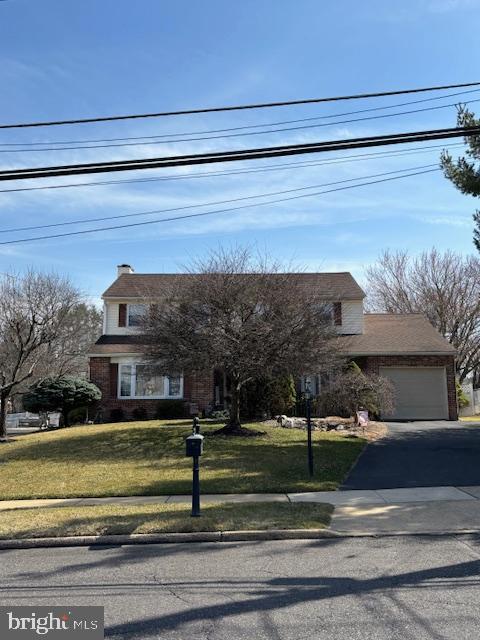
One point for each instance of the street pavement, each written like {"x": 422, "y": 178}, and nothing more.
{"x": 419, "y": 454}
{"x": 400, "y": 588}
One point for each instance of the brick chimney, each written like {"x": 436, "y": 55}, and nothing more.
{"x": 124, "y": 268}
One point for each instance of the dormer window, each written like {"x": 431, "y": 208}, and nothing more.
{"x": 135, "y": 314}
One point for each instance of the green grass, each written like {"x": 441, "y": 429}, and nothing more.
{"x": 160, "y": 518}
{"x": 470, "y": 419}
{"x": 148, "y": 458}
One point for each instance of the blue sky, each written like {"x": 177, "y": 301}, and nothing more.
{"x": 63, "y": 59}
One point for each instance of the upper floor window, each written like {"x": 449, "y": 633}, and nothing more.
{"x": 334, "y": 313}
{"x": 135, "y": 314}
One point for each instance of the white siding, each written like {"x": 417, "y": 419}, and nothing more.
{"x": 111, "y": 320}
{"x": 352, "y": 317}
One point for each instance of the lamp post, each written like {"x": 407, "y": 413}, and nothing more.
{"x": 308, "y": 411}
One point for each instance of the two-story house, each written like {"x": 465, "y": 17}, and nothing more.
{"x": 405, "y": 348}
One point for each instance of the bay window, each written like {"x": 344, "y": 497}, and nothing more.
{"x": 147, "y": 381}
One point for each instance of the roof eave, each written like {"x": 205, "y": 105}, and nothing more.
{"x": 400, "y": 353}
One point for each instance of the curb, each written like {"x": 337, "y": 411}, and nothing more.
{"x": 219, "y": 536}
{"x": 168, "y": 538}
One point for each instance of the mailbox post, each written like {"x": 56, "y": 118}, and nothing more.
{"x": 194, "y": 449}
{"x": 308, "y": 410}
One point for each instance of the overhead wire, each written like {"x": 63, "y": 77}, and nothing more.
{"x": 234, "y": 135}
{"x": 239, "y": 128}
{"x": 215, "y": 211}
{"x": 262, "y": 105}
{"x": 242, "y": 154}
{"x": 263, "y": 169}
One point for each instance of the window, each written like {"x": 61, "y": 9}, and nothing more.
{"x": 126, "y": 380}
{"x": 333, "y": 311}
{"x": 146, "y": 381}
{"x": 135, "y": 314}
{"x": 174, "y": 386}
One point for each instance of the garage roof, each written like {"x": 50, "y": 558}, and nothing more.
{"x": 397, "y": 334}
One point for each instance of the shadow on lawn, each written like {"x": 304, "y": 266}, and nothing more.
{"x": 215, "y": 517}
{"x": 151, "y": 460}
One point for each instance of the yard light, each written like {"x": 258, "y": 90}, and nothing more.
{"x": 308, "y": 412}
{"x": 194, "y": 449}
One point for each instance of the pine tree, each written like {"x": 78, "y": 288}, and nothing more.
{"x": 464, "y": 172}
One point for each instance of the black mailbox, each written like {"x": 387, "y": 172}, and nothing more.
{"x": 194, "y": 445}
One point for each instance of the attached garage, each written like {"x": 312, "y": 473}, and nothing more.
{"x": 419, "y": 361}
{"x": 420, "y": 392}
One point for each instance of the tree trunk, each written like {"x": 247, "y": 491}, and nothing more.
{"x": 3, "y": 417}
{"x": 233, "y": 426}
{"x": 234, "y": 421}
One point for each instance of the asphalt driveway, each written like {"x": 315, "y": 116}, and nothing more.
{"x": 420, "y": 454}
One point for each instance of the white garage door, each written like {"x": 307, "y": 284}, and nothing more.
{"x": 420, "y": 392}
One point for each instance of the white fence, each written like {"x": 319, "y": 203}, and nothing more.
{"x": 14, "y": 420}
{"x": 473, "y": 396}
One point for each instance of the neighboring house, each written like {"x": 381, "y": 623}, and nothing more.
{"x": 405, "y": 348}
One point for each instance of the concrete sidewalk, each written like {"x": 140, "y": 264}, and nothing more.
{"x": 345, "y": 499}
{"x": 422, "y": 518}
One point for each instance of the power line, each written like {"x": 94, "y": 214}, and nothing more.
{"x": 212, "y": 204}
{"x": 264, "y": 105}
{"x": 240, "y": 128}
{"x": 243, "y": 154}
{"x": 207, "y": 213}
{"x": 235, "y": 135}
{"x": 264, "y": 169}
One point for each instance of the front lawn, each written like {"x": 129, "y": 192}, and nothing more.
{"x": 148, "y": 458}
{"x": 160, "y": 518}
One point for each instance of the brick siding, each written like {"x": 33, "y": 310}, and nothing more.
{"x": 372, "y": 364}
{"x": 196, "y": 389}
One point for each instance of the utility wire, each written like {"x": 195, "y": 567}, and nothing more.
{"x": 235, "y": 135}
{"x": 244, "y": 154}
{"x": 264, "y": 105}
{"x": 268, "y": 168}
{"x": 212, "y": 204}
{"x": 249, "y": 126}
{"x": 208, "y": 213}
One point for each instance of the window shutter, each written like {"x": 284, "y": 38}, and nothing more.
{"x": 337, "y": 314}
{"x": 122, "y": 315}
{"x": 113, "y": 380}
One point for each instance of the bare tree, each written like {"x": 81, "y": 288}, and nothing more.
{"x": 443, "y": 286}
{"x": 68, "y": 355}
{"x": 33, "y": 312}
{"x": 245, "y": 317}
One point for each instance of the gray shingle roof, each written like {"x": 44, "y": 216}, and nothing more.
{"x": 109, "y": 345}
{"x": 330, "y": 286}
{"x": 396, "y": 334}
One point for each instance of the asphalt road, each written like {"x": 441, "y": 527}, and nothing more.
{"x": 344, "y": 589}
{"x": 420, "y": 454}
